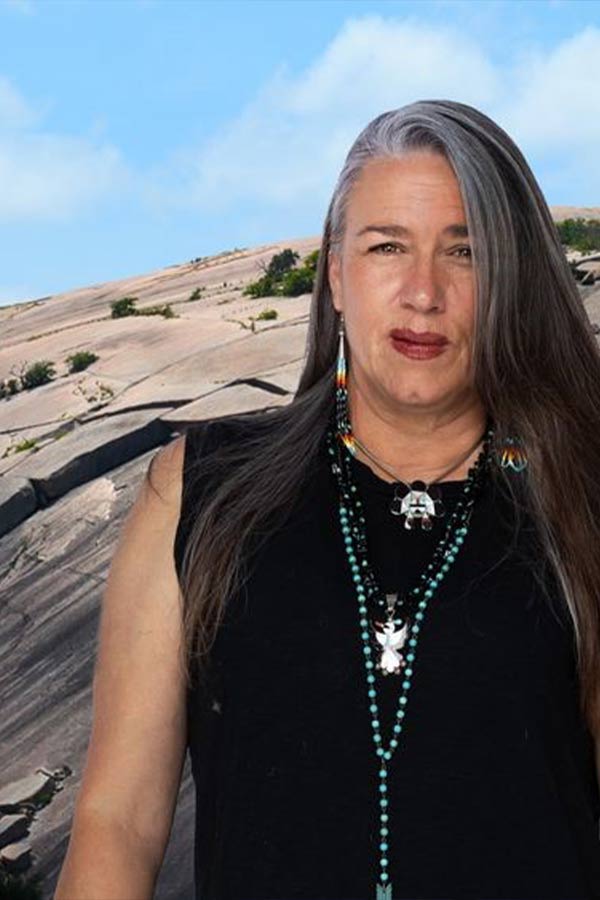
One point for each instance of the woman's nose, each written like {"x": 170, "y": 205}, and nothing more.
{"x": 423, "y": 299}
{"x": 422, "y": 289}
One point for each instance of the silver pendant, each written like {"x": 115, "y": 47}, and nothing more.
{"x": 384, "y": 891}
{"x": 391, "y": 639}
{"x": 417, "y": 505}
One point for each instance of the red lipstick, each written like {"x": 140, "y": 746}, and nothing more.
{"x": 418, "y": 345}
{"x": 418, "y": 337}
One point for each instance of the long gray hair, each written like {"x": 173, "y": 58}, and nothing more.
{"x": 536, "y": 367}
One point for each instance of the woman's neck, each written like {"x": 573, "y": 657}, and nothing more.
{"x": 419, "y": 445}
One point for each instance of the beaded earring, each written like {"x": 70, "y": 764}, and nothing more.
{"x": 341, "y": 394}
{"x": 512, "y": 455}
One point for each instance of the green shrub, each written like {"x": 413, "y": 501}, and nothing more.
{"x": 310, "y": 262}
{"x": 25, "y": 444}
{"x": 580, "y": 234}
{"x": 166, "y": 311}
{"x": 283, "y": 278}
{"x": 296, "y": 282}
{"x": 8, "y": 387}
{"x": 123, "y": 307}
{"x": 282, "y": 263}
{"x": 267, "y": 314}
{"x": 81, "y": 360}
{"x": 38, "y": 373}
{"x": 196, "y": 294}
{"x": 264, "y": 287}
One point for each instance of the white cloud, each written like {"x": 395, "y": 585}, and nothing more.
{"x": 556, "y": 98}
{"x": 50, "y": 177}
{"x": 15, "y": 112}
{"x": 383, "y": 62}
{"x": 287, "y": 146}
{"x": 288, "y": 143}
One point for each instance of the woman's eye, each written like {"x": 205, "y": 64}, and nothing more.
{"x": 468, "y": 249}
{"x": 381, "y": 246}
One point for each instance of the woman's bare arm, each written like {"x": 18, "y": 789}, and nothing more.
{"x": 126, "y": 801}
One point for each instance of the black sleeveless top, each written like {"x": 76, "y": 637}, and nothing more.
{"x": 493, "y": 790}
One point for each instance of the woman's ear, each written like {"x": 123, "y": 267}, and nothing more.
{"x": 335, "y": 280}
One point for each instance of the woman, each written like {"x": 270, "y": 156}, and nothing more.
{"x": 391, "y": 614}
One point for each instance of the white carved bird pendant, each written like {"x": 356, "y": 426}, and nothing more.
{"x": 390, "y": 638}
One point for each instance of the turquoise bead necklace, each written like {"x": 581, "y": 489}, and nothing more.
{"x": 353, "y": 528}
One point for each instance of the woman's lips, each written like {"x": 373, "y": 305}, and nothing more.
{"x": 417, "y": 351}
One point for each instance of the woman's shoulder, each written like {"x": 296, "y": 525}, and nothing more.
{"x": 215, "y": 447}
{"x": 204, "y": 437}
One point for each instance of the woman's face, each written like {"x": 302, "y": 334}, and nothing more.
{"x": 405, "y": 263}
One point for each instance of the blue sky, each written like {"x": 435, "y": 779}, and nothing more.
{"x": 139, "y": 133}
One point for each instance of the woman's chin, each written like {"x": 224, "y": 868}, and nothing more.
{"x": 419, "y": 396}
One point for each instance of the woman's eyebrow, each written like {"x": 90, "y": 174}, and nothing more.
{"x": 455, "y": 230}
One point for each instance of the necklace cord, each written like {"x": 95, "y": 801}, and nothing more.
{"x": 427, "y": 483}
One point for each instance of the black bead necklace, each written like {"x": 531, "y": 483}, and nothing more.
{"x": 404, "y": 618}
